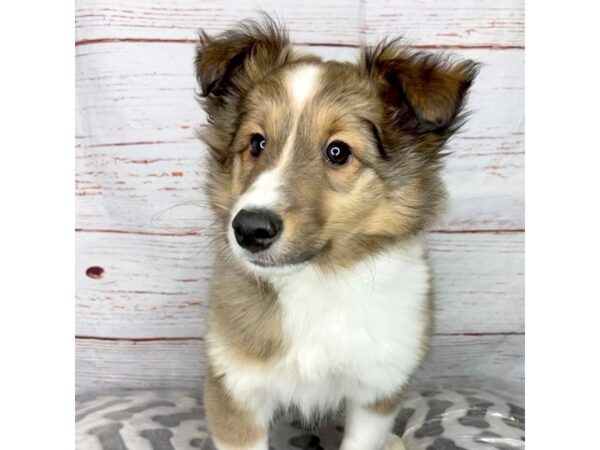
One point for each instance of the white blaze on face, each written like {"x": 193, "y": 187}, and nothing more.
{"x": 264, "y": 193}
{"x": 301, "y": 83}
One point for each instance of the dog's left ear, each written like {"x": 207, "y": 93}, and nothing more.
{"x": 425, "y": 92}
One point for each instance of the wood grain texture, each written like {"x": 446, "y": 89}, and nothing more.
{"x": 491, "y": 23}
{"x": 137, "y": 157}
{"x": 455, "y": 360}
{"x": 479, "y": 23}
{"x": 156, "y": 188}
{"x": 144, "y": 92}
{"x": 144, "y": 224}
{"x": 157, "y": 286}
{"x": 310, "y": 21}
{"x": 479, "y": 282}
{"x": 152, "y": 286}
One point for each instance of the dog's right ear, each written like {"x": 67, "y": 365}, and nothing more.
{"x": 236, "y": 59}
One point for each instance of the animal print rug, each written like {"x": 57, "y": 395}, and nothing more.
{"x": 173, "y": 420}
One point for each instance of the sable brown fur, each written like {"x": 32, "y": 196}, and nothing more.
{"x": 413, "y": 102}
{"x": 228, "y": 421}
{"x": 249, "y": 323}
{"x": 395, "y": 108}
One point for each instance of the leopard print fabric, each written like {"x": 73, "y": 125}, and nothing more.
{"x": 173, "y": 420}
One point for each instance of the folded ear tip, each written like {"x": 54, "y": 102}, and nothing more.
{"x": 431, "y": 86}
{"x": 221, "y": 56}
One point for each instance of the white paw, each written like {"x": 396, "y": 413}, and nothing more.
{"x": 394, "y": 443}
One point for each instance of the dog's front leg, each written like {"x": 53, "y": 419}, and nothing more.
{"x": 231, "y": 425}
{"x": 368, "y": 427}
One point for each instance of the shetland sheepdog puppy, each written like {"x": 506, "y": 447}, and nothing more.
{"x": 323, "y": 177}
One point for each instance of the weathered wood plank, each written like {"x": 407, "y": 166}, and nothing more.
{"x": 486, "y": 192}
{"x": 310, "y": 21}
{"x": 494, "y": 362}
{"x": 479, "y": 282}
{"x": 128, "y": 93}
{"x": 431, "y": 22}
{"x": 136, "y": 175}
{"x": 484, "y": 23}
{"x": 455, "y": 360}
{"x": 151, "y": 286}
{"x": 157, "y": 286}
{"x": 147, "y": 111}
{"x": 157, "y": 188}
{"x": 125, "y": 364}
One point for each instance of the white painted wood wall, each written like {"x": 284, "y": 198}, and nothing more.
{"x": 141, "y": 216}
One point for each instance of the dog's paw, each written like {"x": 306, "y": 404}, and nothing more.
{"x": 394, "y": 443}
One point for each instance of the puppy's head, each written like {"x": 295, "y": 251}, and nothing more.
{"x": 322, "y": 162}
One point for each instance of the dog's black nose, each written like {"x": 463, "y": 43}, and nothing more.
{"x": 256, "y": 230}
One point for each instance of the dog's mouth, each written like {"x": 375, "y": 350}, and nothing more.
{"x": 278, "y": 260}
{"x": 267, "y": 261}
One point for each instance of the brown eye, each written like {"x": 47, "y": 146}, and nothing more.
{"x": 338, "y": 153}
{"x": 257, "y": 144}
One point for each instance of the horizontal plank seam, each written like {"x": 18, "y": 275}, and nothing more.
{"x": 196, "y": 233}
{"x": 83, "y": 42}
{"x": 134, "y": 143}
{"x": 193, "y": 139}
{"x": 478, "y": 231}
{"x": 127, "y": 339}
{"x": 141, "y": 233}
{"x": 500, "y": 333}
{"x": 189, "y": 338}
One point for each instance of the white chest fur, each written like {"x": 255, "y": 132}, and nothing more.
{"x": 356, "y": 335}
